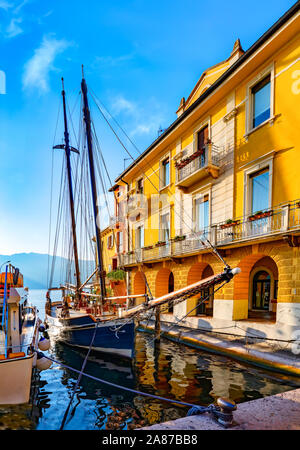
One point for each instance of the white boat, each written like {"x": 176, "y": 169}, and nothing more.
{"x": 19, "y": 338}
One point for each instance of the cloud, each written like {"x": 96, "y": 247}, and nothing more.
{"x": 37, "y": 69}
{"x": 143, "y": 119}
{"x": 20, "y": 6}
{"x": 13, "y": 28}
{"x": 6, "y": 5}
{"x": 120, "y": 104}
{"x": 13, "y": 18}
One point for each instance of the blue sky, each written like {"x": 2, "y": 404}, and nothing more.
{"x": 140, "y": 58}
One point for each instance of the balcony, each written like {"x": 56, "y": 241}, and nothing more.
{"x": 277, "y": 222}
{"x": 267, "y": 223}
{"x": 197, "y": 166}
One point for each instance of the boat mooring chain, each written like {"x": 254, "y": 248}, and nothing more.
{"x": 222, "y": 412}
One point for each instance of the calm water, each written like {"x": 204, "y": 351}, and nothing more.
{"x": 178, "y": 372}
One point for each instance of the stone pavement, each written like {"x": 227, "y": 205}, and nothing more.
{"x": 277, "y": 412}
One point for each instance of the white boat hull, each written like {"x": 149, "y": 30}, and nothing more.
{"x": 15, "y": 380}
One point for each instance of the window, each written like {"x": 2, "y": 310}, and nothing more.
{"x": 139, "y": 236}
{"x": 110, "y": 241}
{"x": 165, "y": 179}
{"x": 259, "y": 185}
{"x": 261, "y": 101}
{"x": 165, "y": 227}
{"x": 119, "y": 242}
{"x": 201, "y": 213}
{"x": 202, "y": 138}
{"x": 140, "y": 186}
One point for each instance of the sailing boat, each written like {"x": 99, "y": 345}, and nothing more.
{"x": 100, "y": 328}
{"x": 78, "y": 326}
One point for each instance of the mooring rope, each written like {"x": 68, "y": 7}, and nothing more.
{"x": 134, "y": 391}
{"x": 79, "y": 378}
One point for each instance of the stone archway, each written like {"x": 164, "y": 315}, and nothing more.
{"x": 263, "y": 287}
{"x": 164, "y": 284}
{"x": 139, "y": 286}
{"x": 198, "y": 272}
{"x": 243, "y": 282}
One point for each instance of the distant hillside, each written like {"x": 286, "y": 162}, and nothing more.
{"x": 34, "y": 267}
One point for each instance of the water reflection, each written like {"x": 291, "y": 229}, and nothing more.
{"x": 176, "y": 372}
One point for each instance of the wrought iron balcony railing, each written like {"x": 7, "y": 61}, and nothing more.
{"x": 279, "y": 220}
{"x": 198, "y": 165}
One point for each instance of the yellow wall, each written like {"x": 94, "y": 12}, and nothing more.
{"x": 108, "y": 253}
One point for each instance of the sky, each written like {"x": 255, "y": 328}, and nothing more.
{"x": 140, "y": 58}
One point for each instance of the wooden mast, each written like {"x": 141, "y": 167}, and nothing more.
{"x": 87, "y": 120}
{"x": 71, "y": 197}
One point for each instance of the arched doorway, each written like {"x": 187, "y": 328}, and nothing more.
{"x": 164, "y": 284}
{"x": 206, "y": 296}
{"x": 139, "y": 287}
{"x": 197, "y": 272}
{"x": 245, "y": 288}
{"x": 263, "y": 281}
{"x": 261, "y": 291}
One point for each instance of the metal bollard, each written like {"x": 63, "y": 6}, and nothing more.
{"x": 222, "y": 412}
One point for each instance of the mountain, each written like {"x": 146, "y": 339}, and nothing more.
{"x": 34, "y": 267}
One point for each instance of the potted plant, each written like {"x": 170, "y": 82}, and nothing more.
{"x": 160, "y": 244}
{"x": 260, "y": 215}
{"x": 229, "y": 223}
{"x": 183, "y": 162}
{"x": 178, "y": 238}
{"x": 116, "y": 275}
{"x": 148, "y": 247}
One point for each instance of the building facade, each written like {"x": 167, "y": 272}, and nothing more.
{"x": 225, "y": 174}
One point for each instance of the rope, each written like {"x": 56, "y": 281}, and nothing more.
{"x": 109, "y": 383}
{"x": 79, "y": 378}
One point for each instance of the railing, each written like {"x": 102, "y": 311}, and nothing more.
{"x": 208, "y": 157}
{"x": 270, "y": 222}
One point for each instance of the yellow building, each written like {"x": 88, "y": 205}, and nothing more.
{"x": 224, "y": 172}
{"x": 109, "y": 251}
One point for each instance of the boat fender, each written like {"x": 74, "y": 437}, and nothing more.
{"x": 44, "y": 344}
{"x": 42, "y": 363}
{"x": 42, "y": 328}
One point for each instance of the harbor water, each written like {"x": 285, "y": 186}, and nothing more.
{"x": 176, "y": 372}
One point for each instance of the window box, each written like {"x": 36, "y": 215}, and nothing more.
{"x": 182, "y": 163}
{"x": 130, "y": 253}
{"x": 229, "y": 223}
{"x": 148, "y": 247}
{"x": 260, "y": 215}
{"x": 178, "y": 238}
{"x": 188, "y": 159}
{"x": 160, "y": 244}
